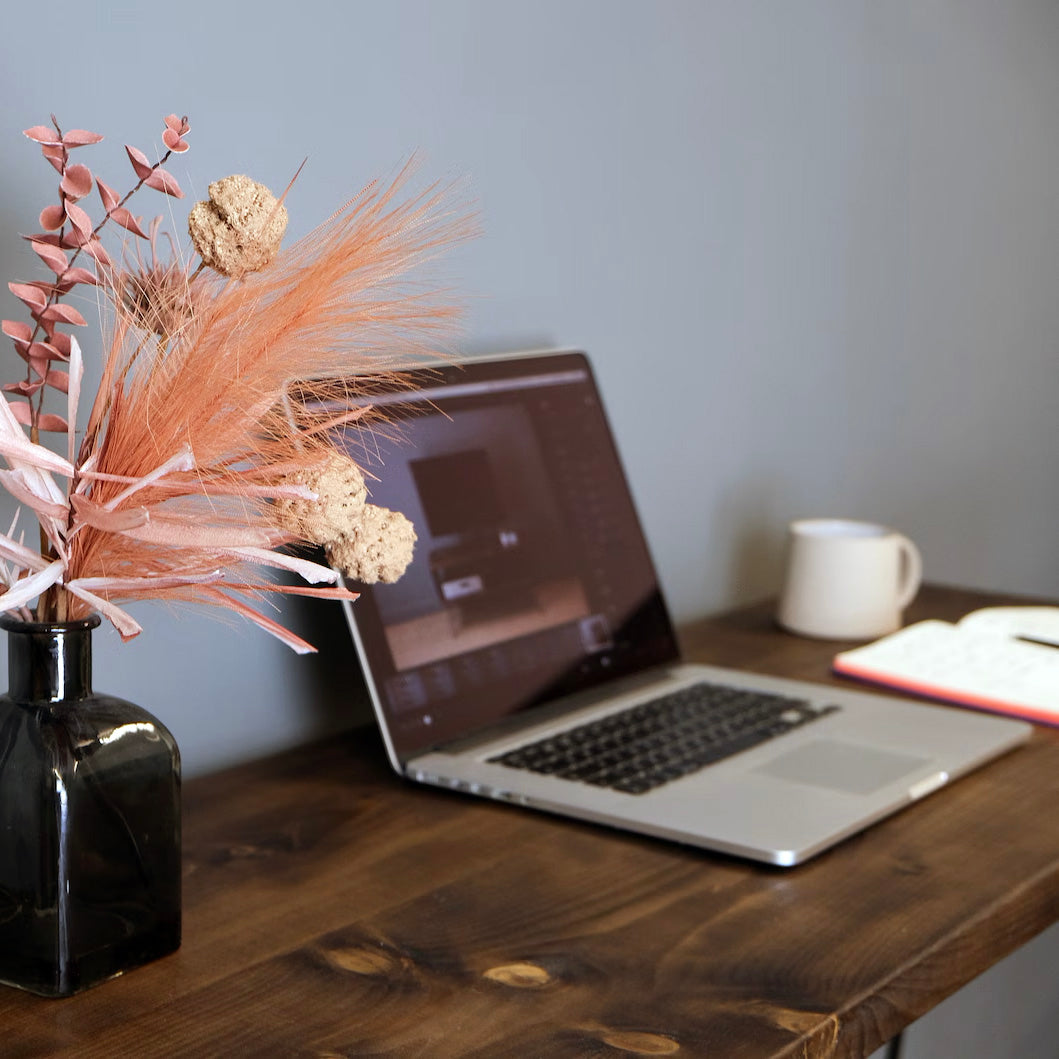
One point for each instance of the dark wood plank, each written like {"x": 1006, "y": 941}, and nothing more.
{"x": 332, "y": 909}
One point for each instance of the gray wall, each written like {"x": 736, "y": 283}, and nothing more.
{"x": 813, "y": 247}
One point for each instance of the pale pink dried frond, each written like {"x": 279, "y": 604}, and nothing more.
{"x": 334, "y": 305}
{"x": 28, "y": 588}
{"x": 16, "y": 552}
{"x": 233, "y": 602}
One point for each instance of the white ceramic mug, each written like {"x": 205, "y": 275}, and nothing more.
{"x": 847, "y": 580}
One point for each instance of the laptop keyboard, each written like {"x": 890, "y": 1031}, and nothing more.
{"x": 656, "y": 742}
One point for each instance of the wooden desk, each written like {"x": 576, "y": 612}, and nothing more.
{"x": 332, "y": 909}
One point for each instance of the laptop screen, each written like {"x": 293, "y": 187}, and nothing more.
{"x": 531, "y": 577}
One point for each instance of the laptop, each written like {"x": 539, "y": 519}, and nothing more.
{"x": 527, "y": 655}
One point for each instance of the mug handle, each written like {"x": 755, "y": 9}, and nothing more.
{"x": 911, "y": 573}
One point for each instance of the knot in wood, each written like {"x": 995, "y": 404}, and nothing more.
{"x": 519, "y": 975}
{"x": 640, "y": 1043}
{"x": 358, "y": 960}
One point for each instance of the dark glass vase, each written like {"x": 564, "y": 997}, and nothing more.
{"x": 89, "y": 820}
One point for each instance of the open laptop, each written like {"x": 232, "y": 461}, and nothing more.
{"x": 520, "y": 656}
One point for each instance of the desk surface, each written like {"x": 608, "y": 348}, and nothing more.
{"x": 332, "y": 909}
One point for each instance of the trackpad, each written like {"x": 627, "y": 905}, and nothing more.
{"x": 841, "y": 766}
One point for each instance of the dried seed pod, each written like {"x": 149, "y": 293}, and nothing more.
{"x": 379, "y": 548}
{"x": 239, "y": 228}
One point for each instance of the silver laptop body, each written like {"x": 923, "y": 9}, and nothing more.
{"x": 532, "y": 607}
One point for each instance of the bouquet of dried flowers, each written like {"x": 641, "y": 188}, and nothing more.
{"x": 195, "y": 468}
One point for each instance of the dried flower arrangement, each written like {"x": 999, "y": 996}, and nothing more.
{"x": 193, "y": 468}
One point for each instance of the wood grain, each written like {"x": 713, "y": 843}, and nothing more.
{"x": 334, "y": 910}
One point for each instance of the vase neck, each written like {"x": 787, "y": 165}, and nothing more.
{"x": 49, "y": 662}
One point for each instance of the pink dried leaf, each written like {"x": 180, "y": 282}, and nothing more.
{"x": 76, "y": 237}
{"x": 94, "y": 248}
{"x": 49, "y": 288}
{"x": 160, "y": 180}
{"x": 79, "y": 219}
{"x": 52, "y": 256}
{"x": 43, "y": 134}
{"x": 23, "y": 388}
{"x": 108, "y": 195}
{"x": 30, "y": 294}
{"x": 66, "y": 314}
{"x": 80, "y": 275}
{"x": 52, "y": 217}
{"x": 16, "y": 329}
{"x": 80, "y": 138}
{"x": 175, "y": 131}
{"x": 58, "y": 380}
{"x": 53, "y": 423}
{"x": 22, "y": 349}
{"x": 21, "y": 411}
{"x": 76, "y": 182}
{"x": 139, "y": 161}
{"x": 63, "y": 344}
{"x": 57, "y": 240}
{"x": 127, "y": 221}
{"x": 39, "y": 356}
{"x": 174, "y": 141}
{"x": 56, "y": 156}
{"x": 45, "y": 351}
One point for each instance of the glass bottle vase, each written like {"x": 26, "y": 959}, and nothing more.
{"x": 89, "y": 819}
